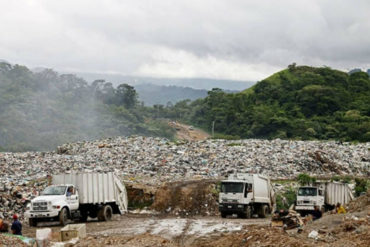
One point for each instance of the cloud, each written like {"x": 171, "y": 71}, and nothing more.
{"x": 236, "y": 39}
{"x": 178, "y": 63}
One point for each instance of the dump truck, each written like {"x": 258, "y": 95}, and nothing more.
{"x": 324, "y": 195}
{"x": 78, "y": 196}
{"x": 246, "y": 194}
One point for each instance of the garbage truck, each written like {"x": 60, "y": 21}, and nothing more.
{"x": 246, "y": 194}
{"x": 324, "y": 195}
{"x": 77, "y": 196}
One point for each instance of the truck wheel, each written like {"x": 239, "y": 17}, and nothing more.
{"x": 63, "y": 216}
{"x": 105, "y": 213}
{"x": 32, "y": 222}
{"x": 248, "y": 212}
{"x": 223, "y": 214}
{"x": 263, "y": 211}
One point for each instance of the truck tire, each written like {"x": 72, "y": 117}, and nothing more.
{"x": 32, "y": 222}
{"x": 248, "y": 212}
{"x": 105, "y": 213}
{"x": 263, "y": 211}
{"x": 63, "y": 216}
{"x": 223, "y": 214}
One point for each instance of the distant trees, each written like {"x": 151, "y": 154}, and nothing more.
{"x": 124, "y": 95}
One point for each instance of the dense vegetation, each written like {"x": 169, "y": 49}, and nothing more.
{"x": 299, "y": 102}
{"x": 39, "y": 111}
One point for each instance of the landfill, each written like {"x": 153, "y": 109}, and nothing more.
{"x": 155, "y": 161}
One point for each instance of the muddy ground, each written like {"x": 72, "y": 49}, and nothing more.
{"x": 180, "y": 231}
{"x": 149, "y": 229}
{"x": 137, "y": 230}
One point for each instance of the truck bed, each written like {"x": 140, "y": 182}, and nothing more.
{"x": 96, "y": 188}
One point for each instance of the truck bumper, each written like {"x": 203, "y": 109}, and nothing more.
{"x": 231, "y": 208}
{"x": 40, "y": 215}
{"x": 305, "y": 207}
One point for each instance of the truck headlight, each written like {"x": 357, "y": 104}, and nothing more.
{"x": 49, "y": 203}
{"x": 28, "y": 207}
{"x": 240, "y": 206}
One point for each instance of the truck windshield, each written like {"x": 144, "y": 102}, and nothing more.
{"x": 54, "y": 190}
{"x": 232, "y": 187}
{"x": 307, "y": 192}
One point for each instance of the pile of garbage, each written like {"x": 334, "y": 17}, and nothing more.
{"x": 12, "y": 240}
{"x": 156, "y": 161}
{"x": 162, "y": 160}
{"x": 360, "y": 203}
{"x": 14, "y": 199}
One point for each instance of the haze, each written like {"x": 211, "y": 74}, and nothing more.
{"x": 234, "y": 40}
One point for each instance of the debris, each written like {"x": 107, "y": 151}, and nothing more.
{"x": 7, "y": 239}
{"x": 287, "y": 219}
{"x": 73, "y": 231}
{"x": 313, "y": 234}
{"x": 43, "y": 237}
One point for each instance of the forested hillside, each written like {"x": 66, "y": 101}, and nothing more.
{"x": 300, "y": 102}
{"x": 39, "y": 111}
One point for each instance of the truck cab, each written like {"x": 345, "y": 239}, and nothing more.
{"x": 56, "y": 202}
{"x": 308, "y": 197}
{"x": 245, "y": 194}
{"x": 234, "y": 196}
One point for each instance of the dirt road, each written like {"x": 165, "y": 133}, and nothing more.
{"x": 183, "y": 230}
{"x": 188, "y": 133}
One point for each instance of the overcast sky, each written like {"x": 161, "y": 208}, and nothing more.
{"x": 225, "y": 39}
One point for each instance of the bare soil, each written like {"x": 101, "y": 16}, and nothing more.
{"x": 188, "y": 133}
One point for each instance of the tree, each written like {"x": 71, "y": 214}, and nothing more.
{"x": 305, "y": 179}
{"x": 126, "y": 95}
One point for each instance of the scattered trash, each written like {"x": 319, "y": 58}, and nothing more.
{"x": 7, "y": 239}
{"x": 287, "y": 219}
{"x": 313, "y": 234}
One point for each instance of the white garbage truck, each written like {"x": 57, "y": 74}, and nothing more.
{"x": 324, "y": 195}
{"x": 246, "y": 194}
{"x": 77, "y": 196}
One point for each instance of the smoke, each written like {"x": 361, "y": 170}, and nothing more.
{"x": 41, "y": 110}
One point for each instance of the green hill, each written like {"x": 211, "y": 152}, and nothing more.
{"x": 299, "y": 102}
